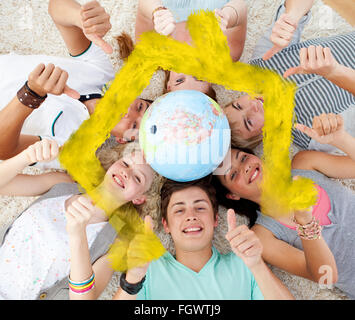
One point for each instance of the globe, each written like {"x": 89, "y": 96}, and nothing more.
{"x": 184, "y": 135}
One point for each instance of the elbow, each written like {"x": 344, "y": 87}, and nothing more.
{"x": 300, "y": 160}
{"x": 326, "y": 276}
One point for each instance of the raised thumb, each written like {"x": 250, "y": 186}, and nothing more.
{"x": 231, "y": 220}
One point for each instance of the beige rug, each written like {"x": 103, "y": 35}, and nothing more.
{"x": 26, "y": 28}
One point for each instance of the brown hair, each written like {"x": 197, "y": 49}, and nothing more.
{"x": 170, "y": 187}
{"x": 126, "y": 45}
{"x": 242, "y": 207}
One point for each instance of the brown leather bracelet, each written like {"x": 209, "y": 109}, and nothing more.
{"x": 29, "y": 98}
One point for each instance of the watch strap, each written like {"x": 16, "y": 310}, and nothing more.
{"x": 130, "y": 288}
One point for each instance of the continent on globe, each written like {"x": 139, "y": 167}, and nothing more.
{"x": 184, "y": 135}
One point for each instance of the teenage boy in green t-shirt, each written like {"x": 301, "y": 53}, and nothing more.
{"x": 198, "y": 270}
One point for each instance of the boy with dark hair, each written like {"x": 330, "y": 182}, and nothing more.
{"x": 198, "y": 270}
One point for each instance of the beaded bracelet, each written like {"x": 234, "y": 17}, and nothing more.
{"x": 82, "y": 287}
{"x": 309, "y": 231}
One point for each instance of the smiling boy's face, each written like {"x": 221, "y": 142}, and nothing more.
{"x": 246, "y": 116}
{"x": 190, "y": 219}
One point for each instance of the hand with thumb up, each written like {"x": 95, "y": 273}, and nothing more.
{"x": 138, "y": 259}
{"x": 243, "y": 241}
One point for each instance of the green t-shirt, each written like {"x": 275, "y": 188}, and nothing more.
{"x": 224, "y": 277}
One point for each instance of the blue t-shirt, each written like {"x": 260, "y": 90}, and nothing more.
{"x": 224, "y": 277}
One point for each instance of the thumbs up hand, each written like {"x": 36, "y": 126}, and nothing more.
{"x": 243, "y": 241}
{"x": 136, "y": 255}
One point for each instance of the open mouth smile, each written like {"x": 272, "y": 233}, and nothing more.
{"x": 193, "y": 230}
{"x": 254, "y": 174}
{"x": 119, "y": 181}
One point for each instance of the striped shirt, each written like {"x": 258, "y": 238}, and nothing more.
{"x": 315, "y": 95}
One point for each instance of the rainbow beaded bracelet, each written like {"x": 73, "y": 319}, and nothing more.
{"x": 82, "y": 287}
{"x": 310, "y": 231}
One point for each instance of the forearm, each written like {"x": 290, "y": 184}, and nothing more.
{"x": 146, "y": 7}
{"x": 10, "y": 168}
{"x": 80, "y": 265}
{"x": 318, "y": 256}
{"x": 343, "y": 77}
{"x": 346, "y": 144}
{"x": 65, "y": 13}
{"x": 12, "y": 118}
{"x": 270, "y": 286}
{"x": 123, "y": 295}
{"x": 240, "y": 9}
{"x": 298, "y": 8}
{"x": 67, "y": 18}
{"x": 33, "y": 185}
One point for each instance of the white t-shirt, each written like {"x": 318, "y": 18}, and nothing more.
{"x": 59, "y": 116}
{"x": 36, "y": 253}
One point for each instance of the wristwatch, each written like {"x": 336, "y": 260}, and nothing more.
{"x": 129, "y": 287}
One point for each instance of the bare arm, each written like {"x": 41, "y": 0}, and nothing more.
{"x": 320, "y": 61}
{"x": 307, "y": 264}
{"x": 328, "y": 129}
{"x": 12, "y": 118}
{"x": 79, "y": 25}
{"x": 246, "y": 245}
{"x": 146, "y": 7}
{"x": 79, "y": 212}
{"x": 286, "y": 25}
{"x": 297, "y": 8}
{"x": 42, "y": 80}
{"x": 15, "y": 184}
{"x": 333, "y": 166}
{"x": 136, "y": 274}
{"x": 234, "y": 26}
{"x": 343, "y": 77}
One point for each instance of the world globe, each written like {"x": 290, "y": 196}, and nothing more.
{"x": 184, "y": 135}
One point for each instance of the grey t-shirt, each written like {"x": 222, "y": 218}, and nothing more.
{"x": 339, "y": 235}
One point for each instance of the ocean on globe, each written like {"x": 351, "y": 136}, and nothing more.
{"x": 184, "y": 135}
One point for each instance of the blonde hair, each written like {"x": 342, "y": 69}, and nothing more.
{"x": 108, "y": 155}
{"x": 237, "y": 141}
